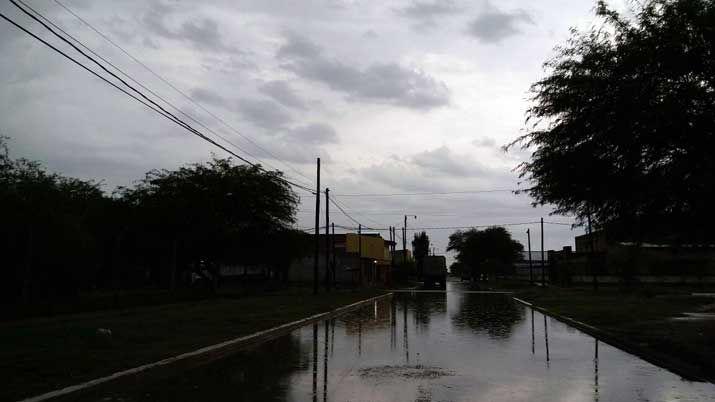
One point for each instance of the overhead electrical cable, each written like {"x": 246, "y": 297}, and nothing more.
{"x": 148, "y": 103}
{"x": 179, "y": 91}
{"x": 142, "y": 85}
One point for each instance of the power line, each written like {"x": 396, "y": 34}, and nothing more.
{"x": 431, "y": 193}
{"x": 182, "y": 93}
{"x": 348, "y": 208}
{"x": 332, "y": 200}
{"x": 151, "y": 105}
{"x": 137, "y": 82}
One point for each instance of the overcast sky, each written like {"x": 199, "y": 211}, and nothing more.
{"x": 395, "y": 97}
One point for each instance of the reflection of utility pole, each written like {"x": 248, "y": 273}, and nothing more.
{"x": 325, "y": 363}
{"x": 595, "y": 372}
{"x": 531, "y": 267}
{"x": 359, "y": 338}
{"x": 404, "y": 333}
{"x": 533, "y": 339}
{"x": 546, "y": 338}
{"x": 393, "y": 323}
{"x": 315, "y": 361}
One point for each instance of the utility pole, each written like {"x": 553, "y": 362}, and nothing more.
{"x": 592, "y": 256}
{"x": 404, "y": 243}
{"x": 327, "y": 239}
{"x": 392, "y": 253}
{"x": 333, "y": 264}
{"x": 317, "y": 230}
{"x": 531, "y": 267}
{"x": 360, "y": 252}
{"x": 543, "y": 275}
{"x": 404, "y": 240}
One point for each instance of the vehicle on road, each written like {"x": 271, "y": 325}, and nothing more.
{"x": 434, "y": 271}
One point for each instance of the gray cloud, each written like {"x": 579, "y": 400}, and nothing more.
{"x": 264, "y": 113}
{"x": 282, "y": 93}
{"x": 444, "y": 161}
{"x": 493, "y": 25}
{"x": 202, "y": 33}
{"x": 370, "y": 34}
{"x": 381, "y": 83}
{"x": 422, "y": 10}
{"x": 202, "y": 95}
{"x": 314, "y": 133}
{"x": 298, "y": 46}
{"x": 485, "y": 142}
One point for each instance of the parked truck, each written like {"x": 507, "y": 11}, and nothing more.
{"x": 434, "y": 271}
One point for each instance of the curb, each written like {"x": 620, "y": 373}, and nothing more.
{"x": 213, "y": 351}
{"x": 680, "y": 369}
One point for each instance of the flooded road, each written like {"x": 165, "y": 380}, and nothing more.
{"x": 450, "y": 346}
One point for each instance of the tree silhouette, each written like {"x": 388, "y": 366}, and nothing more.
{"x": 420, "y": 249}
{"x": 488, "y": 251}
{"x": 624, "y": 124}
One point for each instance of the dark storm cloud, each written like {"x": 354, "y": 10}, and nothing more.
{"x": 387, "y": 83}
{"x": 282, "y": 93}
{"x": 314, "y": 133}
{"x": 264, "y": 113}
{"x": 202, "y": 33}
{"x": 493, "y": 25}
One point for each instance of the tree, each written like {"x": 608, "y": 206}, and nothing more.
{"x": 624, "y": 124}
{"x": 213, "y": 213}
{"x": 485, "y": 252}
{"x": 47, "y": 237}
{"x": 420, "y": 249}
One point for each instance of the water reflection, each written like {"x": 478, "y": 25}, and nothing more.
{"x": 546, "y": 341}
{"x": 494, "y": 314}
{"x": 444, "y": 347}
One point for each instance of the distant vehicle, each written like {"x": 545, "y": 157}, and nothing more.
{"x": 434, "y": 271}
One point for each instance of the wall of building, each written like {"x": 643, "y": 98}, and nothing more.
{"x": 372, "y": 246}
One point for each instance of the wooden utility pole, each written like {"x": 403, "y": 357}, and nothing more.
{"x": 333, "y": 264}
{"x": 592, "y": 258}
{"x": 360, "y": 252}
{"x": 543, "y": 274}
{"x": 327, "y": 239}
{"x": 404, "y": 243}
{"x": 531, "y": 266}
{"x": 317, "y": 230}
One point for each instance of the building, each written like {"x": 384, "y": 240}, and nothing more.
{"x": 596, "y": 242}
{"x": 352, "y": 260}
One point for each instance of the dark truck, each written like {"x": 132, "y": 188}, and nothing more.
{"x": 434, "y": 271}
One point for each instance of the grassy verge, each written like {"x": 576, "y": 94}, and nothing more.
{"x": 642, "y": 319}
{"x": 39, "y": 355}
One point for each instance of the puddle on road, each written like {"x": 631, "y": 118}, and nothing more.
{"x": 406, "y": 372}
{"x": 427, "y": 347}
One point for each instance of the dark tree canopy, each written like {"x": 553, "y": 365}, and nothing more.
{"x": 61, "y": 235}
{"x": 420, "y": 248}
{"x": 487, "y": 251}
{"x": 218, "y": 212}
{"x": 624, "y": 124}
